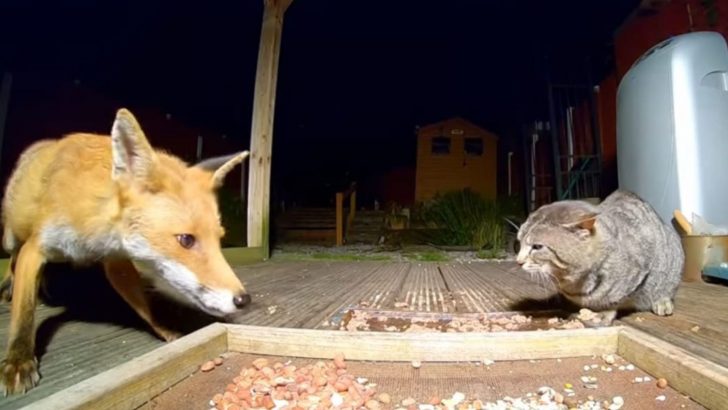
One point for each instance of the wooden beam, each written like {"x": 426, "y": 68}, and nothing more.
{"x": 285, "y": 4}
{"x": 339, "y": 218}
{"x": 425, "y": 346}
{"x": 261, "y": 138}
{"x": 703, "y": 380}
{"x": 134, "y": 383}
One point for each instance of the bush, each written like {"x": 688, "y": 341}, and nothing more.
{"x": 464, "y": 218}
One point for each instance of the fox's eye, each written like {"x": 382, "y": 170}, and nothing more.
{"x": 536, "y": 246}
{"x": 186, "y": 240}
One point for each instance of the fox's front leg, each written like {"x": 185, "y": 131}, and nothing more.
{"x": 125, "y": 279}
{"x": 20, "y": 367}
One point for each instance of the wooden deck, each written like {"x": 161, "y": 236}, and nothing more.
{"x": 89, "y": 332}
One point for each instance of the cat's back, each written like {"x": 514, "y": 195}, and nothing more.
{"x": 625, "y": 205}
{"x": 630, "y": 218}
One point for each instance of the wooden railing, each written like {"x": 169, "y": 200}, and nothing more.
{"x": 342, "y": 227}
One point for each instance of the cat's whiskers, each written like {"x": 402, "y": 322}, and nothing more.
{"x": 542, "y": 276}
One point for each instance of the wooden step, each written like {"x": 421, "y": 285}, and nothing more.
{"x": 327, "y": 236}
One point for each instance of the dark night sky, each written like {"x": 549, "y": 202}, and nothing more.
{"x": 354, "y": 75}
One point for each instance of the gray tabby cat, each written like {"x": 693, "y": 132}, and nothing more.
{"x": 601, "y": 256}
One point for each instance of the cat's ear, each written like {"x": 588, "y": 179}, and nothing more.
{"x": 584, "y": 227}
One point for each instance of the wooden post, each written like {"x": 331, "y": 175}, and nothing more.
{"x": 339, "y": 218}
{"x": 261, "y": 135}
{"x": 352, "y": 211}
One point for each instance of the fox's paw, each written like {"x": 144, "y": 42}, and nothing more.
{"x": 6, "y": 289}
{"x": 166, "y": 334}
{"x": 19, "y": 375}
{"x": 663, "y": 307}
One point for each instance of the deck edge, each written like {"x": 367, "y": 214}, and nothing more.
{"x": 133, "y": 383}
{"x": 704, "y": 381}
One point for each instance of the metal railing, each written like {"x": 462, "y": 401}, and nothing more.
{"x": 583, "y": 180}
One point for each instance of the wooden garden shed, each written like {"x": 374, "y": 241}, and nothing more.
{"x": 455, "y": 154}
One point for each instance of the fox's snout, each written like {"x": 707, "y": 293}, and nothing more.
{"x": 226, "y": 297}
{"x": 242, "y": 300}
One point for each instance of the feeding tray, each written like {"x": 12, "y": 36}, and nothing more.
{"x": 362, "y": 319}
{"x": 145, "y": 378}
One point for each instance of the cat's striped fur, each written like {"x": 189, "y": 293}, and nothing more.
{"x": 601, "y": 256}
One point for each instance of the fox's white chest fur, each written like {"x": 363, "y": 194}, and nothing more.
{"x": 61, "y": 242}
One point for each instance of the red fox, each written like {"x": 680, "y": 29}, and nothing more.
{"x": 142, "y": 213}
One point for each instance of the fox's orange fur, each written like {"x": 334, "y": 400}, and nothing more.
{"x": 142, "y": 213}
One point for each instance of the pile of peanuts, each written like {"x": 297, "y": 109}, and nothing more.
{"x": 328, "y": 385}
{"x": 322, "y": 385}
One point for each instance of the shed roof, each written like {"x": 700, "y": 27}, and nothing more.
{"x": 456, "y": 120}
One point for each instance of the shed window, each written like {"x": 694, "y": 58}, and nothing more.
{"x": 441, "y": 145}
{"x": 474, "y": 146}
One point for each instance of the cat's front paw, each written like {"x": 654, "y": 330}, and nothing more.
{"x": 663, "y": 307}
{"x": 19, "y": 375}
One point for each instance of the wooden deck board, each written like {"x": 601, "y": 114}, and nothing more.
{"x": 424, "y": 290}
{"x": 304, "y": 297}
{"x": 364, "y": 287}
{"x": 699, "y": 325}
{"x": 75, "y": 350}
{"x": 489, "y": 287}
{"x": 305, "y": 294}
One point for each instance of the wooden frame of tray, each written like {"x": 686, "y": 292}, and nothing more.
{"x": 134, "y": 383}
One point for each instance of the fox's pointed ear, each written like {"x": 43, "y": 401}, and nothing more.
{"x": 221, "y": 166}
{"x": 131, "y": 152}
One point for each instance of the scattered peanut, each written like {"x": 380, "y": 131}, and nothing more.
{"x": 207, "y": 366}
{"x": 217, "y": 361}
{"x": 339, "y": 361}
{"x": 661, "y": 383}
{"x": 409, "y": 401}
{"x": 260, "y": 363}
{"x": 373, "y": 405}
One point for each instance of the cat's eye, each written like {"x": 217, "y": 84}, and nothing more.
{"x": 536, "y": 246}
{"x": 186, "y": 240}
